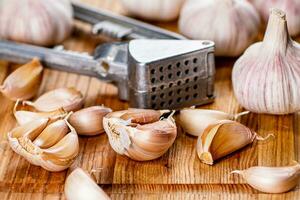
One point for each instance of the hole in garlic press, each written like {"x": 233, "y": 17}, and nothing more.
{"x": 169, "y": 67}
{"x": 178, "y": 64}
{"x": 152, "y": 80}
{"x": 153, "y": 89}
{"x": 195, "y": 60}
{"x": 161, "y": 69}
{"x": 186, "y": 62}
{"x": 152, "y": 71}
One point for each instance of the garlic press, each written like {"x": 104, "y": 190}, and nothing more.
{"x": 152, "y": 67}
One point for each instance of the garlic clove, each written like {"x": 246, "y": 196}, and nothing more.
{"x": 233, "y": 25}
{"x": 265, "y": 78}
{"x": 142, "y": 141}
{"x": 221, "y": 139}
{"x": 69, "y": 99}
{"x": 25, "y": 140}
{"x": 88, "y": 121}
{"x": 271, "y": 179}
{"x": 194, "y": 121}
{"x": 24, "y": 82}
{"x": 23, "y": 116}
{"x": 52, "y": 134}
{"x": 79, "y": 185}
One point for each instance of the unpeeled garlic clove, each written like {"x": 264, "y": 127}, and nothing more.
{"x": 271, "y": 179}
{"x": 140, "y": 142}
{"x": 69, "y": 99}
{"x": 265, "y": 78}
{"x": 24, "y": 82}
{"x": 89, "y": 121}
{"x": 222, "y": 138}
{"x": 41, "y": 144}
{"x": 80, "y": 186}
{"x": 24, "y": 116}
{"x": 194, "y": 121}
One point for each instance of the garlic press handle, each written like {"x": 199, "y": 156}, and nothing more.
{"x": 119, "y": 27}
{"x": 53, "y": 58}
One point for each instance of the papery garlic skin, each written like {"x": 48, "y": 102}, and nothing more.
{"x": 139, "y": 142}
{"x": 232, "y": 24}
{"x": 80, "y": 186}
{"x": 37, "y": 142}
{"x": 24, "y": 82}
{"x": 46, "y": 22}
{"x": 271, "y": 179}
{"x": 89, "y": 121}
{"x": 290, "y": 7}
{"x": 69, "y": 99}
{"x": 194, "y": 121}
{"x": 266, "y": 78}
{"x": 160, "y": 10}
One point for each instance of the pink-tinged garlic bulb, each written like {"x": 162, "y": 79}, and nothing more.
{"x": 266, "y": 79}
{"x": 232, "y": 24}
{"x": 290, "y": 7}
{"x": 160, "y": 10}
{"x": 39, "y": 22}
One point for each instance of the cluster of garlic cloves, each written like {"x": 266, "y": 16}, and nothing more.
{"x": 194, "y": 121}
{"x": 271, "y": 179}
{"x": 51, "y": 145}
{"x": 266, "y": 78}
{"x": 232, "y": 24}
{"x": 223, "y": 138}
{"x": 139, "y": 133}
{"x": 79, "y": 185}
{"x": 24, "y": 82}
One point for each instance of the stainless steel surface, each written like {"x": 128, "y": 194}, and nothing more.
{"x": 118, "y": 26}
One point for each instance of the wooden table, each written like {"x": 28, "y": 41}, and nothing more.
{"x": 177, "y": 175}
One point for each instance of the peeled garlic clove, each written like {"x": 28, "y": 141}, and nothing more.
{"x": 290, "y": 7}
{"x": 24, "y": 82}
{"x": 52, "y": 134}
{"x": 88, "y": 121}
{"x": 43, "y": 23}
{"x": 266, "y": 77}
{"x": 24, "y": 116}
{"x": 69, "y": 99}
{"x": 146, "y": 141}
{"x": 221, "y": 139}
{"x": 271, "y": 179}
{"x": 232, "y": 24}
{"x": 161, "y": 10}
{"x": 79, "y": 185}
{"x": 194, "y": 121}
{"x": 142, "y": 116}
{"x": 41, "y": 144}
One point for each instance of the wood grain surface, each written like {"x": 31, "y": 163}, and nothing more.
{"x": 177, "y": 175}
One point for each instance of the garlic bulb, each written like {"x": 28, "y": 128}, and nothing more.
{"x": 88, "y": 121}
{"x": 80, "y": 186}
{"x": 162, "y": 10}
{"x": 46, "y": 22}
{"x": 266, "y": 79}
{"x": 134, "y": 133}
{"x": 232, "y": 24}
{"x": 69, "y": 99}
{"x": 290, "y": 7}
{"x": 24, "y": 82}
{"x": 25, "y": 116}
{"x": 194, "y": 121}
{"x": 223, "y": 138}
{"x": 53, "y": 146}
{"x": 271, "y": 179}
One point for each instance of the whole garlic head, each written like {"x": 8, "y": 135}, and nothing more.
{"x": 232, "y": 24}
{"x": 161, "y": 10}
{"x": 39, "y": 22}
{"x": 290, "y": 7}
{"x": 140, "y": 134}
{"x": 266, "y": 79}
{"x": 53, "y": 146}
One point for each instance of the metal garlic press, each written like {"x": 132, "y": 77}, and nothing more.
{"x": 152, "y": 67}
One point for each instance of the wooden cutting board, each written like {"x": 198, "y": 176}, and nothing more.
{"x": 177, "y": 175}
